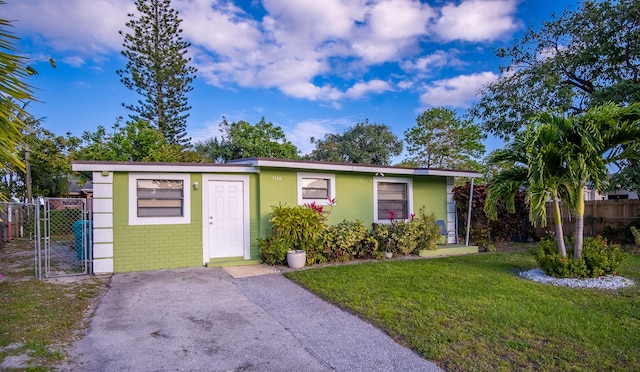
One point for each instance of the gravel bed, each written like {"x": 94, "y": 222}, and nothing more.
{"x": 603, "y": 282}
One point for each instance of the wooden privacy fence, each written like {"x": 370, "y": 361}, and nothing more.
{"x": 598, "y": 215}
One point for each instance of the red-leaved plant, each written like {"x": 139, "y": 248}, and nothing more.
{"x": 320, "y": 208}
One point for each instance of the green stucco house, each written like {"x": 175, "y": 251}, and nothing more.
{"x": 149, "y": 216}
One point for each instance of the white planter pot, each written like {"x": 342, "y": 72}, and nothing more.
{"x": 296, "y": 259}
{"x": 388, "y": 255}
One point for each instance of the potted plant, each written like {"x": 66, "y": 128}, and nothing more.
{"x": 298, "y": 227}
{"x": 388, "y": 253}
{"x": 296, "y": 258}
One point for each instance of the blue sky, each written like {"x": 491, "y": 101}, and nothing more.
{"x": 311, "y": 67}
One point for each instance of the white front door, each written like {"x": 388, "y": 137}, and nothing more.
{"x": 226, "y": 219}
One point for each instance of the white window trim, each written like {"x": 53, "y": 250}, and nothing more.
{"x": 133, "y": 199}
{"x": 332, "y": 188}
{"x": 409, "y": 183}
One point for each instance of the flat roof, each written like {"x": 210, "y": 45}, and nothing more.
{"x": 253, "y": 165}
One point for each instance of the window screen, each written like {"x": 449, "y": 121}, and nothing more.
{"x": 160, "y": 198}
{"x": 315, "y": 188}
{"x": 392, "y": 196}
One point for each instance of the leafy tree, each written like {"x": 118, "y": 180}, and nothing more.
{"x": 211, "y": 149}
{"x": 627, "y": 177}
{"x": 442, "y": 140}
{"x": 158, "y": 69}
{"x": 47, "y": 156}
{"x": 581, "y": 59}
{"x": 49, "y": 164}
{"x": 243, "y": 140}
{"x": 136, "y": 141}
{"x": 365, "y": 143}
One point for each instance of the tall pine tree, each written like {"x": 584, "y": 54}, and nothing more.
{"x": 158, "y": 69}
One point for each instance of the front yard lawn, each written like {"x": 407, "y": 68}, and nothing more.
{"x": 474, "y": 313}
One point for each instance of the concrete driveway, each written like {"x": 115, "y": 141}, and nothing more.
{"x": 204, "y": 319}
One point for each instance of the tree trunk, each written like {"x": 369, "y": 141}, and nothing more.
{"x": 559, "y": 232}
{"x": 577, "y": 249}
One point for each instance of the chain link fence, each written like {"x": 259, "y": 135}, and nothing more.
{"x": 19, "y": 226}
{"x": 59, "y": 229}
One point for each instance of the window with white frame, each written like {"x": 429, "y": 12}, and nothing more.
{"x": 392, "y": 194}
{"x": 160, "y": 198}
{"x": 157, "y": 199}
{"x": 316, "y": 188}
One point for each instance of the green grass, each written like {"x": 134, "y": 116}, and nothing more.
{"x": 39, "y": 318}
{"x": 473, "y": 313}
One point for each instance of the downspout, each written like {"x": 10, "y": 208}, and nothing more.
{"x": 466, "y": 242}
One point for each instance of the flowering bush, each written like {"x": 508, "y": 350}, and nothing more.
{"x": 304, "y": 227}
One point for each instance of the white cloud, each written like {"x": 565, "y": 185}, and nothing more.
{"x": 437, "y": 59}
{"x": 306, "y": 49}
{"x": 477, "y": 20}
{"x": 75, "y": 61}
{"x": 405, "y": 84}
{"x": 392, "y": 27}
{"x": 220, "y": 27}
{"x": 361, "y": 89}
{"x": 311, "y": 91}
{"x": 312, "y": 20}
{"x": 459, "y": 91}
{"x": 399, "y": 19}
{"x": 300, "y": 135}
{"x": 79, "y": 25}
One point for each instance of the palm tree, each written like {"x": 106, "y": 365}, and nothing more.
{"x": 605, "y": 135}
{"x": 548, "y": 176}
{"x": 13, "y": 70}
{"x": 561, "y": 157}
{"x": 532, "y": 163}
{"x": 12, "y": 88}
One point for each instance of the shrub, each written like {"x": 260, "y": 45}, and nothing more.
{"x": 298, "y": 226}
{"x": 291, "y": 228}
{"x": 636, "y": 235}
{"x": 485, "y": 232}
{"x": 553, "y": 264}
{"x": 602, "y": 258}
{"x": 344, "y": 241}
{"x": 273, "y": 251}
{"x": 429, "y": 232}
{"x": 405, "y": 235}
{"x": 621, "y": 234}
{"x": 598, "y": 258}
{"x": 410, "y": 236}
{"x": 382, "y": 234}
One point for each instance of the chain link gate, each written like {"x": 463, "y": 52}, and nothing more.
{"x": 66, "y": 238}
